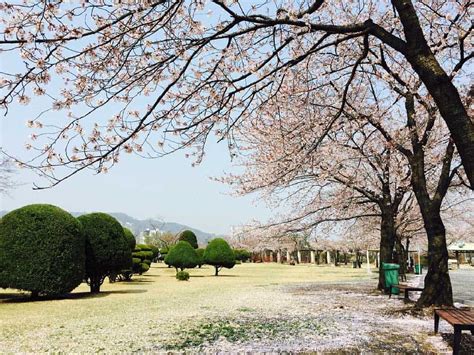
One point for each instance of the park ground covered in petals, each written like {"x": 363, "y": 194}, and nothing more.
{"x": 252, "y": 307}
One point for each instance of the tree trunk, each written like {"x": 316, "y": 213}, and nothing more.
{"x": 95, "y": 283}
{"x": 217, "y": 271}
{"x": 399, "y": 257}
{"x": 438, "y": 84}
{"x": 407, "y": 252}
{"x": 387, "y": 241}
{"x": 437, "y": 289}
{"x": 453, "y": 112}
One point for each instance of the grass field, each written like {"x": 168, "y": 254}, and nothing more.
{"x": 150, "y": 310}
{"x": 266, "y": 307}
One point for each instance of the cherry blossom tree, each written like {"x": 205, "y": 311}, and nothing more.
{"x": 353, "y": 175}
{"x": 414, "y": 134}
{"x": 154, "y": 77}
{"x": 430, "y": 153}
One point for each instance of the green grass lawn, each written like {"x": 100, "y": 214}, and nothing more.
{"x": 153, "y": 308}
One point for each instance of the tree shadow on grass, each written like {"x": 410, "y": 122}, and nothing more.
{"x": 26, "y": 298}
{"x": 466, "y": 345}
{"x": 136, "y": 282}
{"x": 214, "y": 276}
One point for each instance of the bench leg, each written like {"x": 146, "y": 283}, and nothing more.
{"x": 406, "y": 295}
{"x": 436, "y": 323}
{"x": 456, "y": 341}
{"x": 390, "y": 291}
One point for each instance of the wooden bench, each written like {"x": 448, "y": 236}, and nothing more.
{"x": 405, "y": 288}
{"x": 460, "y": 319}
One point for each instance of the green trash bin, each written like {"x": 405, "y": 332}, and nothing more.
{"x": 418, "y": 269}
{"x": 391, "y": 276}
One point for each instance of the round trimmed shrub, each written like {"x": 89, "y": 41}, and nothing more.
{"x": 189, "y": 237}
{"x": 219, "y": 254}
{"x": 182, "y": 275}
{"x": 182, "y": 256}
{"x": 142, "y": 257}
{"x": 147, "y": 251}
{"x": 42, "y": 250}
{"x": 130, "y": 238}
{"x": 144, "y": 267}
{"x": 107, "y": 248}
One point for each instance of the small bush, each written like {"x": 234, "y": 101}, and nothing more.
{"x": 182, "y": 256}
{"x": 190, "y": 237}
{"x": 182, "y": 275}
{"x": 219, "y": 254}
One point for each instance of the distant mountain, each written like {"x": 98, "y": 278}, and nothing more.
{"x": 138, "y": 226}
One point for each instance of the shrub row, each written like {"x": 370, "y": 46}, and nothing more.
{"x": 218, "y": 253}
{"x": 45, "y": 250}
